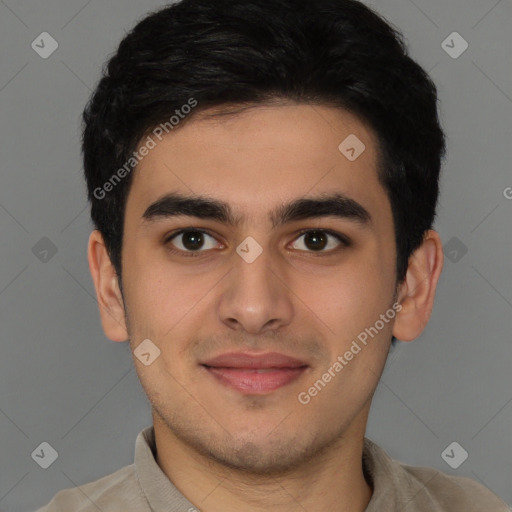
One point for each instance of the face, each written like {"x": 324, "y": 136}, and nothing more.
{"x": 215, "y": 292}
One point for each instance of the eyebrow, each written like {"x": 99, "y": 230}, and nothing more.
{"x": 327, "y": 205}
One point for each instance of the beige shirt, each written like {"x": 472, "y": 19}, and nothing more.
{"x": 144, "y": 487}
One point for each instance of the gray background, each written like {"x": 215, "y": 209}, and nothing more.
{"x": 63, "y": 382}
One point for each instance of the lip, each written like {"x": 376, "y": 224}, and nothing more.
{"x": 255, "y": 373}
{"x": 256, "y": 361}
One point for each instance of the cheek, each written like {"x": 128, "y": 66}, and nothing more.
{"x": 162, "y": 296}
{"x": 351, "y": 297}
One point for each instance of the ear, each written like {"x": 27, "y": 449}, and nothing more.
{"x": 417, "y": 291}
{"x": 110, "y": 300}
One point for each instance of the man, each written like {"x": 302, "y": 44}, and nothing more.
{"x": 263, "y": 177}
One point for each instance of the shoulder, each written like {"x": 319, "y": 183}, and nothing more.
{"x": 418, "y": 489}
{"x": 117, "y": 491}
{"x": 451, "y": 493}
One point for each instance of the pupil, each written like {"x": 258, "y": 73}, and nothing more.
{"x": 317, "y": 238}
{"x": 192, "y": 240}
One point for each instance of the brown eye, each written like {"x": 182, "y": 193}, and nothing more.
{"x": 192, "y": 241}
{"x": 315, "y": 240}
{"x": 319, "y": 240}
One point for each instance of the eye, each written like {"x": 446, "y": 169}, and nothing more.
{"x": 192, "y": 240}
{"x": 318, "y": 241}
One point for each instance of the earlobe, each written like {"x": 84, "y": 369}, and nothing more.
{"x": 108, "y": 294}
{"x": 417, "y": 292}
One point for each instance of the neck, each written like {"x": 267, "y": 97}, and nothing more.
{"x": 332, "y": 481}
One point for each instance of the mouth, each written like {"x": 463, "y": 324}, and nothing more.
{"x": 255, "y": 373}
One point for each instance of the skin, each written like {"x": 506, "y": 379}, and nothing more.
{"x": 222, "y": 449}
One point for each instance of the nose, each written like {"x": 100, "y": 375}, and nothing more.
{"x": 255, "y": 297}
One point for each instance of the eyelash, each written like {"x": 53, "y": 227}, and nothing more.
{"x": 344, "y": 241}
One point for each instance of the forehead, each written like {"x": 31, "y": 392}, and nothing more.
{"x": 260, "y": 157}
